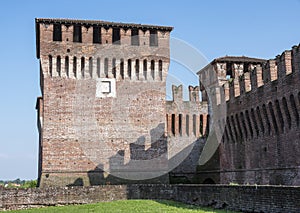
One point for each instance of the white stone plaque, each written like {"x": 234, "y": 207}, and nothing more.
{"x": 106, "y": 87}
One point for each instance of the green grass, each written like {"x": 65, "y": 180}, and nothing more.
{"x": 129, "y": 206}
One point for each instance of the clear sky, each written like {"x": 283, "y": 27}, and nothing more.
{"x": 256, "y": 28}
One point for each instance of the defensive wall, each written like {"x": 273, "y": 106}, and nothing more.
{"x": 236, "y": 198}
{"x": 260, "y": 144}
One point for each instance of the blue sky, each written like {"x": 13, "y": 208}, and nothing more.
{"x": 215, "y": 28}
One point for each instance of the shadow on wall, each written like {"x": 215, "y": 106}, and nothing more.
{"x": 77, "y": 182}
{"x": 138, "y": 154}
{"x": 186, "y": 170}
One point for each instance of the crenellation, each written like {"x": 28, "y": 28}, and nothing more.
{"x": 260, "y": 75}
{"x": 106, "y": 35}
{"x": 177, "y": 93}
{"x": 193, "y": 94}
{"x": 272, "y": 66}
{"x": 221, "y": 70}
{"x": 87, "y": 34}
{"x": 288, "y": 62}
{"x": 247, "y": 82}
{"x": 67, "y": 33}
{"x": 284, "y": 64}
{"x": 125, "y": 36}
{"x": 188, "y": 118}
{"x": 296, "y": 58}
{"x": 238, "y": 69}
{"x": 259, "y": 120}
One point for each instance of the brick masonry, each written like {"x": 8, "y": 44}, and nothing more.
{"x": 236, "y": 198}
{"x": 103, "y": 110}
{"x": 260, "y": 144}
{"x": 103, "y": 104}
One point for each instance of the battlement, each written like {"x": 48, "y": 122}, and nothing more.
{"x": 99, "y": 32}
{"x": 236, "y": 78}
{"x": 261, "y": 75}
{"x": 186, "y": 118}
{"x": 177, "y": 93}
{"x": 80, "y": 49}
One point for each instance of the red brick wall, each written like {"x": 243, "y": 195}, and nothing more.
{"x": 83, "y": 132}
{"x": 260, "y": 144}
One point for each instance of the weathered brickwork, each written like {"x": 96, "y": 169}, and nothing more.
{"x": 187, "y": 128}
{"x": 260, "y": 144}
{"x": 103, "y": 90}
{"x": 236, "y": 198}
{"x": 103, "y": 111}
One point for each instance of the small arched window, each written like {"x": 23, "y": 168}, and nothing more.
{"x": 173, "y": 124}
{"x": 152, "y": 69}
{"x": 50, "y": 65}
{"x": 75, "y": 66}
{"x": 160, "y": 69}
{"x": 122, "y": 68}
{"x": 145, "y": 68}
{"x": 58, "y": 65}
{"x": 98, "y": 67}
{"x": 201, "y": 125}
{"x": 180, "y": 124}
{"x": 114, "y": 72}
{"x": 91, "y": 67}
{"x": 137, "y": 69}
{"x": 129, "y": 68}
{"x": 67, "y": 65}
{"x": 106, "y": 67}
{"x": 187, "y": 125}
{"x": 82, "y": 66}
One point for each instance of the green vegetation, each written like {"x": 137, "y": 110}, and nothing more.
{"x": 130, "y": 206}
{"x": 19, "y": 183}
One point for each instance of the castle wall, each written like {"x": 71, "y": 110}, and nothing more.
{"x": 187, "y": 127}
{"x": 99, "y": 99}
{"x": 260, "y": 144}
{"x": 233, "y": 198}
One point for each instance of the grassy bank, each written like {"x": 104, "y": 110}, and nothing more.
{"x": 130, "y": 206}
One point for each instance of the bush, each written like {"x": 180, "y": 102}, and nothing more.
{"x": 29, "y": 184}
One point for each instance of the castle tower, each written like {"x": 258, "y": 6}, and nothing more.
{"x": 103, "y": 100}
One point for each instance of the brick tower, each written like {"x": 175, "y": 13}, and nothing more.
{"x": 102, "y": 108}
